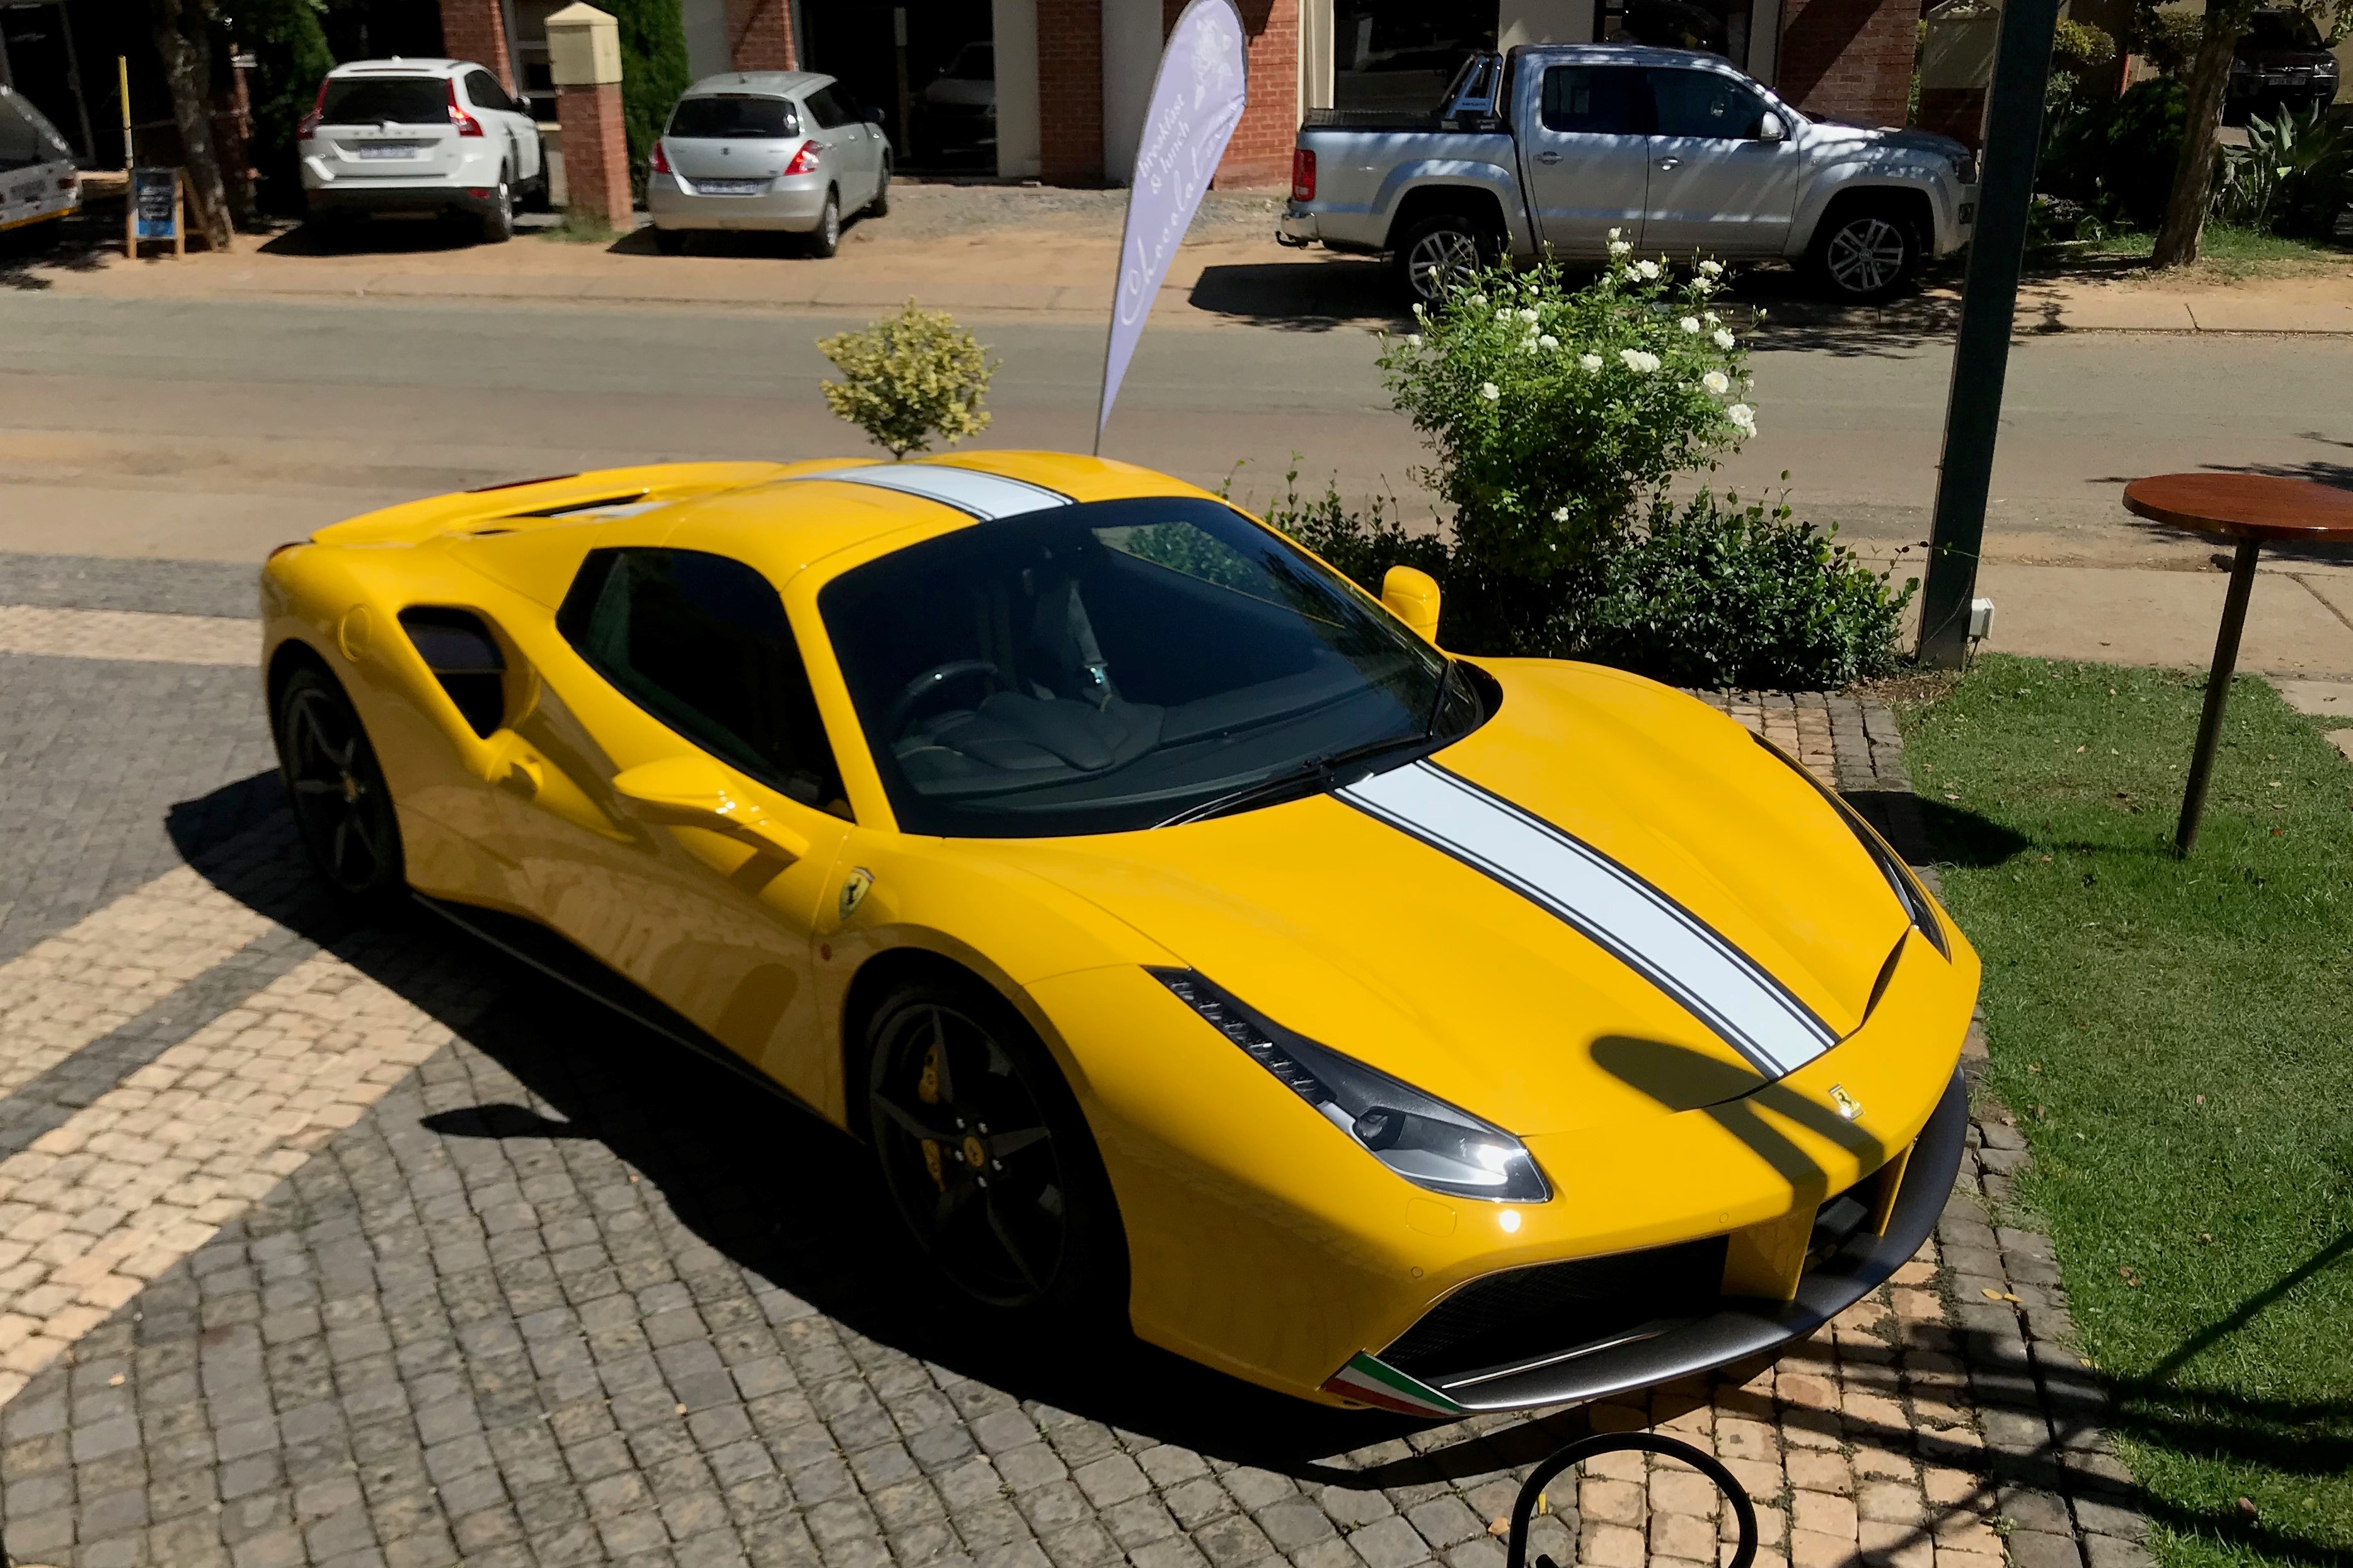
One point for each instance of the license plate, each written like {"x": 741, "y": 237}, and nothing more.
{"x": 389, "y": 149}
{"x": 729, "y": 187}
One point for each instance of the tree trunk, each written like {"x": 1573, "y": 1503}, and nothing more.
{"x": 2193, "y": 177}
{"x": 184, "y": 39}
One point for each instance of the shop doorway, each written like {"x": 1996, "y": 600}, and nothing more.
{"x": 930, "y": 65}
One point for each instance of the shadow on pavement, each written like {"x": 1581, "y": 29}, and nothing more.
{"x": 83, "y": 243}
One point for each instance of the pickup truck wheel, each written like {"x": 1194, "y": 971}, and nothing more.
{"x": 1863, "y": 255}
{"x": 1435, "y": 251}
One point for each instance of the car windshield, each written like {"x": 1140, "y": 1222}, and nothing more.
{"x": 2282, "y": 30}
{"x": 974, "y": 62}
{"x": 1112, "y": 666}
{"x": 734, "y": 114}
{"x": 386, "y": 100}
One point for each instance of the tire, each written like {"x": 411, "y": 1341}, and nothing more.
{"x": 1864, "y": 254}
{"x": 826, "y": 237}
{"x": 498, "y": 224}
{"x": 1008, "y": 1199}
{"x": 670, "y": 241}
{"x": 1435, "y": 248}
{"x": 341, "y": 806}
{"x": 881, "y": 206}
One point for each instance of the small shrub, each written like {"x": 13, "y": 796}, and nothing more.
{"x": 1715, "y": 594}
{"x": 2294, "y": 175}
{"x": 908, "y": 379}
{"x": 654, "y": 74}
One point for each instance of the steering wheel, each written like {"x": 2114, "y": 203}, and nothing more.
{"x": 931, "y": 682}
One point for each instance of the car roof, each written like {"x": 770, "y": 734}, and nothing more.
{"x": 770, "y": 84}
{"x": 1631, "y": 55}
{"x": 397, "y": 66}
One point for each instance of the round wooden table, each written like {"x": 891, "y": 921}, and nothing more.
{"x": 2255, "y": 510}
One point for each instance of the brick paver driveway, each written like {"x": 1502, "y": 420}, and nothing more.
{"x": 348, "y": 1246}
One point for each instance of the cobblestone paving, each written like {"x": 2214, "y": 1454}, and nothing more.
{"x": 133, "y": 634}
{"x": 363, "y": 1246}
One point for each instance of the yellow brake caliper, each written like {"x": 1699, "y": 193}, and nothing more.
{"x": 927, "y": 1089}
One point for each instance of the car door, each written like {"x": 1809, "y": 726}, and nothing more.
{"x": 1719, "y": 187}
{"x": 847, "y": 145}
{"x": 685, "y": 660}
{"x": 497, "y": 112}
{"x": 1585, "y": 156}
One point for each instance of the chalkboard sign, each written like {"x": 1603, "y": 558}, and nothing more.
{"x": 156, "y": 203}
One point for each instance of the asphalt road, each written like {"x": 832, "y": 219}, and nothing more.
{"x": 215, "y": 429}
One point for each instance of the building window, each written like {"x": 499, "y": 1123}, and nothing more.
{"x": 1718, "y": 27}
{"x": 1402, "y": 54}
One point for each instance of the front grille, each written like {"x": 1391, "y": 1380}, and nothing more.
{"x": 1525, "y": 1313}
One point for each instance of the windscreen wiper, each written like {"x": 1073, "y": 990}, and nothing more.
{"x": 1312, "y": 776}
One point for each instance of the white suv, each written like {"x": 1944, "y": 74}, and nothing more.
{"x": 438, "y": 136}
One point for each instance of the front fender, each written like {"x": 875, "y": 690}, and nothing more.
{"x": 1879, "y": 172}
{"x": 1462, "y": 173}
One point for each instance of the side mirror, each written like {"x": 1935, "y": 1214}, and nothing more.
{"x": 1770, "y": 129}
{"x": 1411, "y": 596}
{"x": 695, "y": 792}
{"x": 873, "y": 117}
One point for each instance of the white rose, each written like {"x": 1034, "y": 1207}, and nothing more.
{"x": 1418, "y": 309}
{"x": 1690, "y": 324}
{"x": 1711, "y": 319}
{"x": 1503, "y": 315}
{"x": 1560, "y": 514}
{"x": 1743, "y": 417}
{"x": 1413, "y": 340}
{"x": 1477, "y": 299}
{"x": 1489, "y": 391}
{"x": 1528, "y": 316}
{"x": 1619, "y": 247}
{"x": 1717, "y": 382}
{"x": 1649, "y": 269}
{"x": 1589, "y": 362}
{"x": 1548, "y": 341}
{"x": 1616, "y": 232}
{"x": 1712, "y": 269}
{"x": 1723, "y": 338}
{"x": 1637, "y": 361}
{"x": 1527, "y": 346}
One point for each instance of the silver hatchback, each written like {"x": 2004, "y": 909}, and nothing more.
{"x": 787, "y": 152}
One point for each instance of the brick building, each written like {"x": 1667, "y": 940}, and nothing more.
{"x": 1061, "y": 84}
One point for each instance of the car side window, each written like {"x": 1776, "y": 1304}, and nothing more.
{"x": 483, "y": 90}
{"x": 700, "y": 642}
{"x": 1705, "y": 104}
{"x": 824, "y": 107}
{"x": 1594, "y": 101}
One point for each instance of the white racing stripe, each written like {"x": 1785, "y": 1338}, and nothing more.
{"x": 1637, "y": 923}
{"x": 984, "y": 496}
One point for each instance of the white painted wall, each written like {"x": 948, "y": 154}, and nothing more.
{"x": 1543, "y": 22}
{"x": 1014, "y": 24}
{"x": 1131, "y": 57}
{"x": 705, "y": 24}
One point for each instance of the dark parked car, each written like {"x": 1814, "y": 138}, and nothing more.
{"x": 2281, "y": 64}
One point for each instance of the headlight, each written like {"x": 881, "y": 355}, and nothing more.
{"x": 1907, "y": 887}
{"x": 1427, "y": 1142}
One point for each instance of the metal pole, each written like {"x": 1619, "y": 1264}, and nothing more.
{"x": 2218, "y": 693}
{"x": 1981, "y": 348}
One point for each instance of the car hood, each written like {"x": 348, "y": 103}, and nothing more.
{"x": 960, "y": 92}
{"x": 1348, "y": 918}
{"x": 1847, "y": 134}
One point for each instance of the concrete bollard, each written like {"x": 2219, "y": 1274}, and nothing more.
{"x": 584, "y": 55}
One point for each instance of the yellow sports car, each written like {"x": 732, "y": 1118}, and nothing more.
{"x": 1187, "y": 935}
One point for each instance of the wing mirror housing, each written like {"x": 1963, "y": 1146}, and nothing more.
{"x": 1771, "y": 129}
{"x": 695, "y": 792}
{"x": 1411, "y": 595}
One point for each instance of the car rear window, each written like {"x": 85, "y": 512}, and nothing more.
{"x": 734, "y": 114}
{"x": 380, "y": 100}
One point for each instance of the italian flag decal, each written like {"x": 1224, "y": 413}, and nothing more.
{"x": 1368, "y": 1380}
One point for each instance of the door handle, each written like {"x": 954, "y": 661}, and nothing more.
{"x": 1670, "y": 162}
{"x": 1547, "y": 157}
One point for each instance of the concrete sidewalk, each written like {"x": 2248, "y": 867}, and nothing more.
{"x": 991, "y": 249}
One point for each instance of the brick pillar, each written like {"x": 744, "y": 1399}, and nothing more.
{"x": 1070, "y": 92}
{"x": 1851, "y": 59}
{"x": 595, "y": 152}
{"x": 1260, "y": 154}
{"x": 476, "y": 30}
{"x": 760, "y": 36}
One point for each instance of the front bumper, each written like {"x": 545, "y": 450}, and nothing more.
{"x": 791, "y": 205}
{"x": 1660, "y": 1350}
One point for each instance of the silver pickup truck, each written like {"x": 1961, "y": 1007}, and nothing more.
{"x": 1548, "y": 148}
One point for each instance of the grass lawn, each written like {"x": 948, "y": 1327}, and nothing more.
{"x": 2227, "y": 252}
{"x": 2177, "y": 1039}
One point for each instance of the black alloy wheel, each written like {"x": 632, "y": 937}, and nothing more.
{"x": 340, "y": 805}
{"x": 1864, "y": 254}
{"x": 826, "y": 238}
{"x": 984, "y": 1151}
